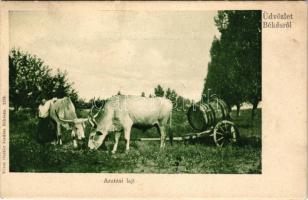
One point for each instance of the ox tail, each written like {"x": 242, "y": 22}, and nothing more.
{"x": 170, "y": 133}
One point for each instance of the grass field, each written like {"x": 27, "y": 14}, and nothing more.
{"x": 199, "y": 156}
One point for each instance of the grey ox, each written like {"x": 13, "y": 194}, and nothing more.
{"x": 121, "y": 113}
{"x": 62, "y": 111}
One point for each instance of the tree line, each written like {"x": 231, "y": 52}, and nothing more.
{"x": 234, "y": 72}
{"x": 179, "y": 102}
{"x": 31, "y": 80}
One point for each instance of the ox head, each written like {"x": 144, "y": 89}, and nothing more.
{"x": 78, "y": 126}
{"x": 98, "y": 135}
{"x": 96, "y": 139}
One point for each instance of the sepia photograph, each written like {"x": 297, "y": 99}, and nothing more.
{"x": 155, "y": 100}
{"x": 135, "y": 92}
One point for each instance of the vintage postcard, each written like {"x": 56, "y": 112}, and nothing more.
{"x": 154, "y": 99}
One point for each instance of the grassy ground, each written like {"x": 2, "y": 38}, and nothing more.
{"x": 200, "y": 156}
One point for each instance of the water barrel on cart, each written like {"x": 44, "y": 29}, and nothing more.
{"x": 204, "y": 115}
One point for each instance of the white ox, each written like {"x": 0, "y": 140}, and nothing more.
{"x": 63, "y": 112}
{"x": 121, "y": 113}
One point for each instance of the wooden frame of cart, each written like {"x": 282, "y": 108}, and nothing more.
{"x": 210, "y": 119}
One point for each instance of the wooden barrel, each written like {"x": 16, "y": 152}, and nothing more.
{"x": 203, "y": 116}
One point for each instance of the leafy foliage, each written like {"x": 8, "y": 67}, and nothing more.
{"x": 171, "y": 94}
{"x": 179, "y": 102}
{"x": 30, "y": 80}
{"x": 159, "y": 91}
{"x": 234, "y": 72}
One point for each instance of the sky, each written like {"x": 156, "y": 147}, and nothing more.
{"x": 129, "y": 51}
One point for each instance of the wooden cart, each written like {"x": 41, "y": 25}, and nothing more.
{"x": 210, "y": 119}
{"x": 213, "y": 119}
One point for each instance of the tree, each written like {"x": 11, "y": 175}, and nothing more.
{"x": 220, "y": 79}
{"x": 159, "y": 91}
{"x": 119, "y": 93}
{"x": 143, "y": 94}
{"x": 234, "y": 72}
{"x": 30, "y": 80}
{"x": 172, "y": 95}
{"x": 181, "y": 103}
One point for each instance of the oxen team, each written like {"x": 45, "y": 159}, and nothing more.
{"x": 119, "y": 115}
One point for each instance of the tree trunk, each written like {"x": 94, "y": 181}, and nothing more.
{"x": 16, "y": 108}
{"x": 254, "y": 108}
{"x": 238, "y": 107}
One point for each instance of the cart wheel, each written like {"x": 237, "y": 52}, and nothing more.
{"x": 225, "y": 132}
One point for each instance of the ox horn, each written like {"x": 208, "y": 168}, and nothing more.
{"x": 96, "y": 114}
{"x": 80, "y": 120}
{"x": 92, "y": 122}
{"x": 94, "y": 105}
{"x": 64, "y": 120}
{"x": 91, "y": 118}
{"x": 91, "y": 111}
{"x": 75, "y": 121}
{"x": 67, "y": 120}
